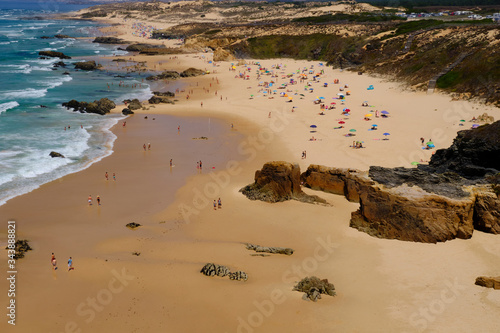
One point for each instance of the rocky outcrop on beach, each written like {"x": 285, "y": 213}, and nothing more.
{"x": 221, "y": 54}
{"x": 53, "y": 54}
{"x": 276, "y": 182}
{"x": 59, "y": 64}
{"x": 132, "y": 225}
{"x": 276, "y": 250}
{"x": 142, "y": 46}
{"x": 211, "y": 269}
{"x": 127, "y": 112}
{"x": 60, "y": 36}
{"x": 56, "y": 154}
{"x": 133, "y": 104}
{"x": 473, "y": 154}
{"x": 87, "y": 65}
{"x": 190, "y": 72}
{"x": 488, "y": 282}
{"x": 166, "y": 75}
{"x": 101, "y": 106}
{"x": 313, "y": 287}
{"x": 21, "y": 246}
{"x": 110, "y": 40}
{"x": 160, "y": 99}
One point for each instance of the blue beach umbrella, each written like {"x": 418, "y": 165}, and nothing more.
{"x": 386, "y": 134}
{"x": 313, "y": 126}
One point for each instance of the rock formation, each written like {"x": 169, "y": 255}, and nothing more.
{"x": 53, "y": 54}
{"x": 238, "y": 276}
{"x": 110, "y": 40}
{"x": 127, "y": 111}
{"x": 101, "y": 106}
{"x": 279, "y": 250}
{"x": 221, "y": 54}
{"x": 132, "y": 225}
{"x": 192, "y": 72}
{"x": 166, "y": 75}
{"x": 142, "y": 46}
{"x": 133, "y": 104}
{"x": 211, "y": 269}
{"x": 278, "y": 181}
{"x": 87, "y": 65}
{"x": 488, "y": 282}
{"x": 59, "y": 64}
{"x": 55, "y": 154}
{"x": 21, "y": 246}
{"x": 60, "y": 36}
{"x": 314, "y": 287}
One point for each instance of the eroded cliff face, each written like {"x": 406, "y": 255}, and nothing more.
{"x": 408, "y": 212}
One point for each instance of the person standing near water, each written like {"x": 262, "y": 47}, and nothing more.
{"x": 90, "y": 200}
{"x": 70, "y": 264}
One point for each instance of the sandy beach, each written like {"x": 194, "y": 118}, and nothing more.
{"x": 382, "y": 285}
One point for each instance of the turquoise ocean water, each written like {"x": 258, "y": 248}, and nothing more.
{"x": 29, "y": 132}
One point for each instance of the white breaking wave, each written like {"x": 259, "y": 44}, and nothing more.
{"x": 26, "y": 93}
{"x": 7, "y": 106}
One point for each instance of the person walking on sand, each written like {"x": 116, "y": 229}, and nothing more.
{"x": 170, "y": 162}
{"x": 98, "y": 200}
{"x": 90, "y": 200}
{"x": 201, "y": 166}
{"x": 149, "y": 146}
{"x": 219, "y": 204}
{"x": 70, "y": 264}
{"x": 114, "y": 176}
{"x": 422, "y": 140}
{"x": 53, "y": 261}
{"x": 144, "y": 146}
{"x": 215, "y": 205}
{"x": 106, "y": 175}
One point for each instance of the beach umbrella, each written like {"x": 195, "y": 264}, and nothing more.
{"x": 475, "y": 126}
{"x": 430, "y": 143}
{"x": 462, "y": 120}
{"x": 415, "y": 163}
{"x": 374, "y": 125}
{"x": 386, "y": 134}
{"x": 368, "y": 115}
{"x": 340, "y": 94}
{"x": 352, "y": 130}
{"x": 313, "y": 126}
{"x": 333, "y": 103}
{"x": 301, "y": 95}
{"x": 341, "y": 122}
{"x": 321, "y": 98}
{"x": 384, "y": 112}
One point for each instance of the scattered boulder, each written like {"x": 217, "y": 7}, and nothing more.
{"x": 488, "y": 282}
{"x": 276, "y": 182}
{"x": 190, "y": 72}
{"x": 45, "y": 37}
{"x": 127, "y": 111}
{"x": 102, "y": 106}
{"x": 109, "y": 40}
{"x": 165, "y": 93}
{"x": 59, "y": 64}
{"x": 62, "y": 36}
{"x": 279, "y": 250}
{"x": 167, "y": 75}
{"x": 53, "y": 54}
{"x": 313, "y": 287}
{"x": 211, "y": 269}
{"x": 55, "y": 154}
{"x": 238, "y": 276}
{"x": 120, "y": 60}
{"x": 133, "y": 104}
{"x": 485, "y": 118}
{"x": 66, "y": 73}
{"x": 132, "y": 225}
{"x": 160, "y": 99}
{"x": 21, "y": 246}
{"x": 87, "y": 65}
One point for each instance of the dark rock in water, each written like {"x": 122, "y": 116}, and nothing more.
{"x": 211, "y": 269}
{"x": 127, "y": 111}
{"x": 279, "y": 250}
{"x": 119, "y": 60}
{"x": 488, "y": 282}
{"x": 238, "y": 276}
{"x": 109, "y": 40}
{"x": 45, "y": 37}
{"x": 66, "y": 73}
{"x": 21, "y": 246}
{"x": 134, "y": 104}
{"x": 473, "y": 154}
{"x": 59, "y": 64}
{"x": 43, "y": 106}
{"x": 55, "y": 154}
{"x": 314, "y": 287}
{"x": 192, "y": 72}
{"x": 53, "y": 54}
{"x": 101, "y": 106}
{"x": 132, "y": 225}
{"x": 276, "y": 182}
{"x": 87, "y": 65}
{"x": 62, "y": 36}
{"x": 142, "y": 46}
{"x": 167, "y": 75}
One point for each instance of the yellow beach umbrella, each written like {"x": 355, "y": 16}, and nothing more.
{"x": 368, "y": 115}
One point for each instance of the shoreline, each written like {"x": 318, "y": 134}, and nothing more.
{"x": 381, "y": 284}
